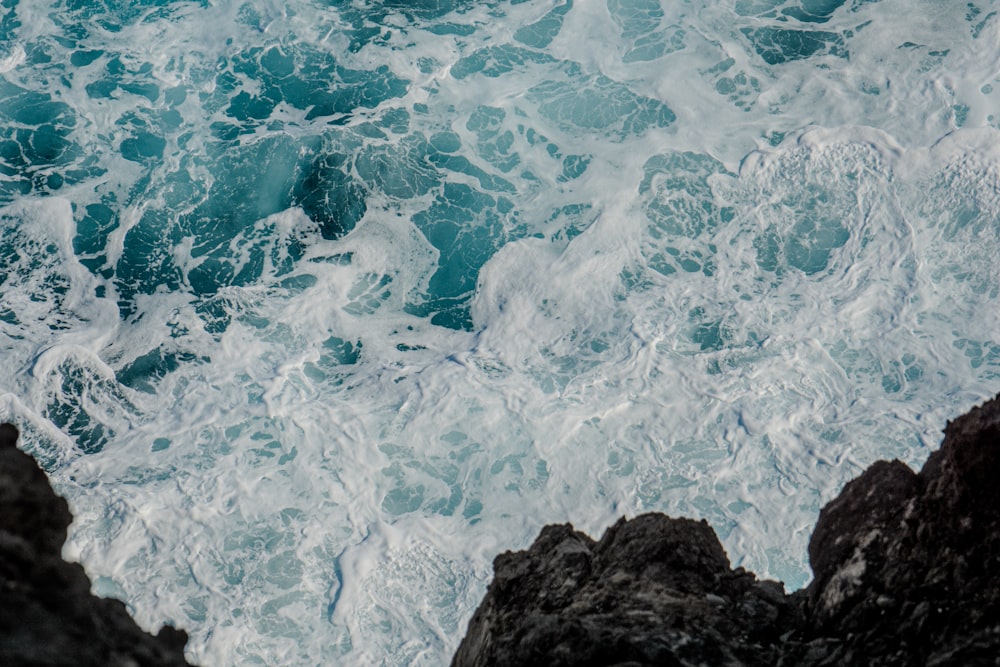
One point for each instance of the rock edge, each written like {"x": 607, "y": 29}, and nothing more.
{"x": 48, "y": 617}
{"x": 906, "y": 571}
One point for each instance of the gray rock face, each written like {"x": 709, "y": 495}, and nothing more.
{"x": 48, "y": 616}
{"x": 906, "y": 572}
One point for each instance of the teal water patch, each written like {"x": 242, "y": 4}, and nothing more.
{"x": 336, "y": 357}
{"x": 595, "y": 102}
{"x": 416, "y": 482}
{"x": 194, "y": 196}
{"x": 800, "y": 226}
{"x": 329, "y": 195}
{"x": 683, "y": 212}
{"x": 143, "y": 372}
{"x": 369, "y": 24}
{"x": 641, "y": 24}
{"x": 401, "y": 170}
{"x": 807, "y": 11}
{"x": 9, "y": 24}
{"x": 145, "y": 141}
{"x": 495, "y": 61}
{"x": 214, "y": 219}
{"x": 681, "y": 201}
{"x": 441, "y": 483}
{"x": 113, "y": 15}
{"x": 974, "y": 15}
{"x": 118, "y": 76}
{"x": 541, "y": 33}
{"x": 30, "y": 271}
{"x": 636, "y": 17}
{"x": 427, "y": 10}
{"x": 735, "y": 84}
{"x": 87, "y": 406}
{"x": 494, "y": 142}
{"x": 37, "y": 152}
{"x": 451, "y": 29}
{"x": 781, "y": 45}
{"x": 466, "y": 227}
{"x": 926, "y": 59}
{"x": 814, "y": 11}
{"x": 809, "y": 243}
{"x": 983, "y": 355}
{"x": 299, "y": 75}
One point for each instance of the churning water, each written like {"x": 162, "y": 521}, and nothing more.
{"x": 312, "y": 307}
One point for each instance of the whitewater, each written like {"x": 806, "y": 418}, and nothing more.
{"x": 311, "y": 308}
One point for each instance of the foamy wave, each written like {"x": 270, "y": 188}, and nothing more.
{"x": 310, "y": 311}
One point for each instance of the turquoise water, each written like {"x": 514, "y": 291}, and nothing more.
{"x": 312, "y": 308}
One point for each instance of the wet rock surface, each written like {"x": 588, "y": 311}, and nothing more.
{"x": 48, "y": 616}
{"x": 906, "y": 572}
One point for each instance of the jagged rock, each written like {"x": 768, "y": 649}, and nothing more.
{"x": 907, "y": 566}
{"x": 48, "y": 616}
{"x": 906, "y": 572}
{"x": 652, "y": 591}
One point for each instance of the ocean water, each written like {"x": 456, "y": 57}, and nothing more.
{"x": 311, "y": 308}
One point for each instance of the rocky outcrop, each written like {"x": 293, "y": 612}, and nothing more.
{"x": 653, "y": 591}
{"x": 906, "y": 572}
{"x": 48, "y": 616}
{"x": 907, "y": 566}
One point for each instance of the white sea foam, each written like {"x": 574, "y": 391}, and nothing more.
{"x": 725, "y": 315}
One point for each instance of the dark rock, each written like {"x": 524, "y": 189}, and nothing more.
{"x": 653, "y": 591}
{"x": 906, "y": 572}
{"x": 48, "y": 616}
{"x": 907, "y": 566}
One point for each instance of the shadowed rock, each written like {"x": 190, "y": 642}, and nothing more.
{"x": 48, "y": 616}
{"x": 907, "y": 566}
{"x": 654, "y": 590}
{"x": 906, "y": 572}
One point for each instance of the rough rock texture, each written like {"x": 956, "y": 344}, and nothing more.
{"x": 654, "y": 590}
{"x": 907, "y": 566}
{"x": 906, "y": 572}
{"x": 48, "y": 616}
